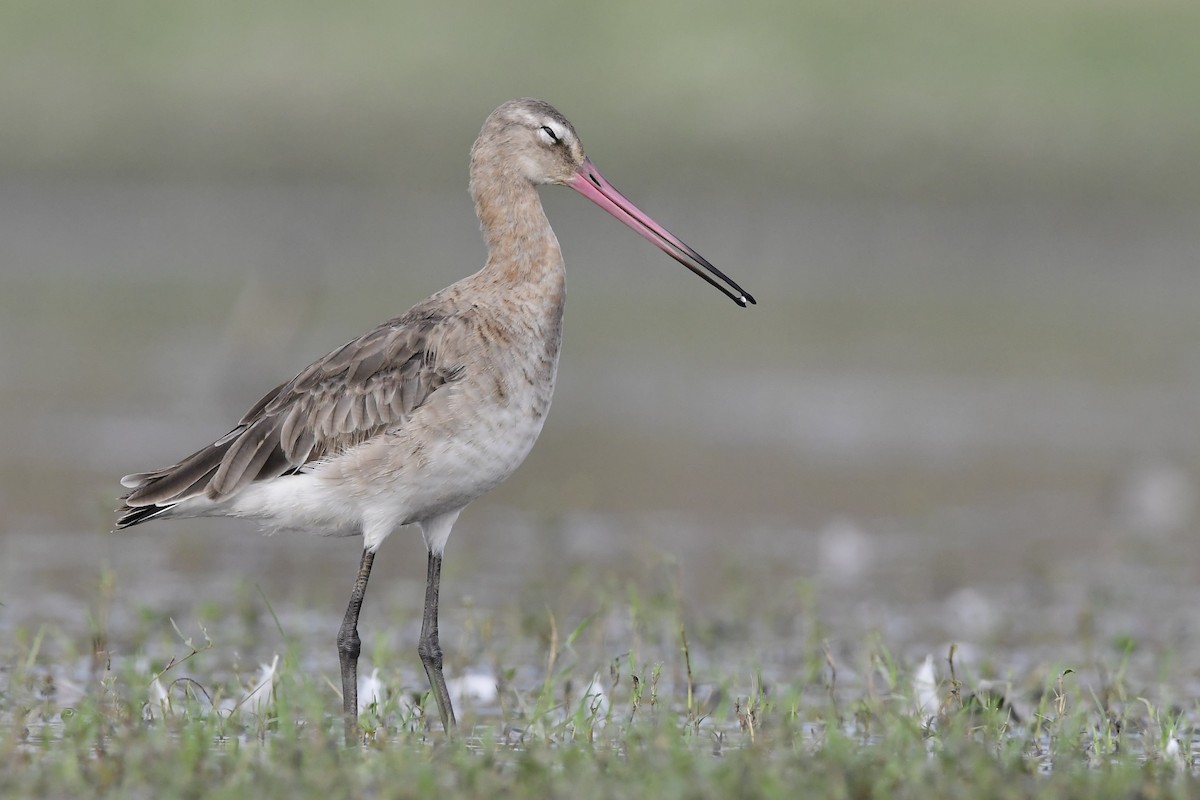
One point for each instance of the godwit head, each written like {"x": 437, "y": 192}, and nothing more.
{"x": 529, "y": 139}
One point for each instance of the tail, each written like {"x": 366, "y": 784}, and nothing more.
{"x": 155, "y": 494}
{"x": 132, "y": 515}
{"x": 250, "y": 452}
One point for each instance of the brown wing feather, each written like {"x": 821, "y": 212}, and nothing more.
{"x": 364, "y": 387}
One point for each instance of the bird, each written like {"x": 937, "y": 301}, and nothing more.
{"x": 410, "y": 422}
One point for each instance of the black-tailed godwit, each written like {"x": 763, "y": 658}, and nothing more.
{"x": 410, "y": 422}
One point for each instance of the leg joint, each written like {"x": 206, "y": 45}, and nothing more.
{"x": 430, "y": 652}
{"x": 348, "y": 643}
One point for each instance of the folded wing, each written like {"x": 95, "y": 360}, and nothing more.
{"x": 369, "y": 385}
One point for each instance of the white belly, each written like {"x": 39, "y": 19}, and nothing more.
{"x": 447, "y": 454}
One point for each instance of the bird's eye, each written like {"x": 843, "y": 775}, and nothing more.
{"x": 549, "y": 135}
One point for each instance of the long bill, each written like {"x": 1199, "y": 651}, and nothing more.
{"x": 591, "y": 184}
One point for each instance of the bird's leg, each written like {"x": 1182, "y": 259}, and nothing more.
{"x": 349, "y": 646}
{"x": 428, "y": 647}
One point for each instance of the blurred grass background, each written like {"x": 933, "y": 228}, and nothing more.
{"x": 922, "y": 98}
{"x": 971, "y": 227}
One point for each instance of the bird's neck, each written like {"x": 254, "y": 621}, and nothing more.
{"x": 522, "y": 248}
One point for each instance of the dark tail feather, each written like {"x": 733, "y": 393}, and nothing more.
{"x": 135, "y": 514}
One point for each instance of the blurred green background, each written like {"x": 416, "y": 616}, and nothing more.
{"x": 923, "y": 98}
{"x": 972, "y": 228}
